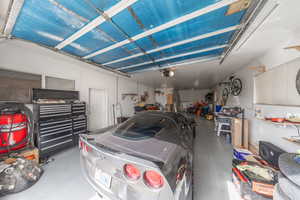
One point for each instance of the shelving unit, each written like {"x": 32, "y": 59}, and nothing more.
{"x": 285, "y": 123}
{"x": 296, "y": 139}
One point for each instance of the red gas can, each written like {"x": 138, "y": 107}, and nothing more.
{"x": 13, "y": 132}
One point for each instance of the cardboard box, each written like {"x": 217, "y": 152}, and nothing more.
{"x": 240, "y": 139}
{"x": 30, "y": 154}
{"x": 169, "y": 98}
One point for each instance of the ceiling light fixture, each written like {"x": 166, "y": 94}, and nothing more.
{"x": 168, "y": 73}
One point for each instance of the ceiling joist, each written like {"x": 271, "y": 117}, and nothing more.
{"x": 165, "y": 26}
{"x": 14, "y": 9}
{"x": 186, "y": 62}
{"x": 97, "y": 21}
{"x": 175, "y": 56}
{"x": 200, "y": 37}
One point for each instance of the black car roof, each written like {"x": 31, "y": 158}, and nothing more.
{"x": 171, "y": 115}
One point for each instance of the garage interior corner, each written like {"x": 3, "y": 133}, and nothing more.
{"x": 212, "y": 166}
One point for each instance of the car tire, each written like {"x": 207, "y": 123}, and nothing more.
{"x": 290, "y": 168}
{"x": 190, "y": 195}
{"x": 279, "y": 194}
{"x": 288, "y": 187}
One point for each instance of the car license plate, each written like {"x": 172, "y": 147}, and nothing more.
{"x": 103, "y": 178}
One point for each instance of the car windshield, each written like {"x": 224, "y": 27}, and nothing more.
{"x": 142, "y": 126}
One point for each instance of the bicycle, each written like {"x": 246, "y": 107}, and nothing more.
{"x": 234, "y": 86}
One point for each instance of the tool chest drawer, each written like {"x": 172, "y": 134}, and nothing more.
{"x": 49, "y": 111}
{"x": 78, "y": 109}
{"x": 79, "y": 127}
{"x": 54, "y": 134}
{"x": 50, "y": 149}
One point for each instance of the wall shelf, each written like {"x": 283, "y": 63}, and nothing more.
{"x": 284, "y": 124}
{"x": 293, "y": 140}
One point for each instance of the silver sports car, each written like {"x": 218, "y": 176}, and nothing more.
{"x": 148, "y": 157}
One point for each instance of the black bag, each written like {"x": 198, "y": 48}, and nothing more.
{"x": 270, "y": 153}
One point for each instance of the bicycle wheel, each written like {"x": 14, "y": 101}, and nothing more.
{"x": 236, "y": 87}
{"x": 225, "y": 94}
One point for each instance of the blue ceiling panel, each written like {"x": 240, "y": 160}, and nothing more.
{"x": 201, "y": 25}
{"x": 129, "y": 62}
{"x": 100, "y": 37}
{"x": 139, "y": 68}
{"x": 49, "y": 22}
{"x": 110, "y": 55}
{"x": 80, "y": 8}
{"x": 203, "y": 54}
{"x": 103, "y": 5}
{"x": 131, "y": 47}
{"x": 212, "y": 53}
{"x": 127, "y": 23}
{"x": 152, "y": 13}
{"x": 194, "y": 46}
{"x": 124, "y": 51}
{"x": 45, "y": 23}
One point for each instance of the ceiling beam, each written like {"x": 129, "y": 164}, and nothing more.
{"x": 200, "y": 37}
{"x": 187, "y": 62}
{"x": 15, "y": 6}
{"x": 97, "y": 21}
{"x": 247, "y": 20}
{"x": 165, "y": 26}
{"x": 176, "y": 56}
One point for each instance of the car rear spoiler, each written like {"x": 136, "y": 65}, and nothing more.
{"x": 150, "y": 162}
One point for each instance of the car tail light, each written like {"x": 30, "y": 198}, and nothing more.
{"x": 84, "y": 147}
{"x": 81, "y": 144}
{"x": 131, "y": 172}
{"x": 153, "y": 179}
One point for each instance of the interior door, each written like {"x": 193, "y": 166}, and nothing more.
{"x": 98, "y": 109}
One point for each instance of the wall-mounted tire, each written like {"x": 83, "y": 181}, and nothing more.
{"x": 288, "y": 187}
{"x": 289, "y": 167}
{"x": 279, "y": 194}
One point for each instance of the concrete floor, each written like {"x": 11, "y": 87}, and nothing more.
{"x": 212, "y": 166}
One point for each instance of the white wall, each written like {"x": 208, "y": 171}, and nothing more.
{"x": 278, "y": 85}
{"x": 259, "y": 129}
{"x": 192, "y": 95}
{"x": 25, "y": 57}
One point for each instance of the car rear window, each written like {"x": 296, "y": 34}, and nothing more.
{"x": 143, "y": 126}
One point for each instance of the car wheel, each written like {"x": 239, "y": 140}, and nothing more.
{"x": 279, "y": 194}
{"x": 288, "y": 187}
{"x": 194, "y": 132}
{"x": 290, "y": 168}
{"x": 190, "y": 195}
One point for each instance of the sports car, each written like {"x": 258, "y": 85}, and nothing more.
{"x": 147, "y": 157}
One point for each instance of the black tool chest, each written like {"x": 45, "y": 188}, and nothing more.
{"x": 79, "y": 127}
{"x": 58, "y": 125}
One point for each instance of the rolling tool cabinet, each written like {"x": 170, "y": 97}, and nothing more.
{"x": 54, "y": 127}
{"x": 58, "y": 125}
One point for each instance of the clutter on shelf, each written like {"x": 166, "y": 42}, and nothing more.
{"x": 19, "y": 159}
{"x": 252, "y": 177}
{"x": 19, "y": 175}
{"x": 230, "y": 122}
{"x": 271, "y": 174}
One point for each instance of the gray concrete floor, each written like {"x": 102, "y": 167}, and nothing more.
{"x": 212, "y": 166}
